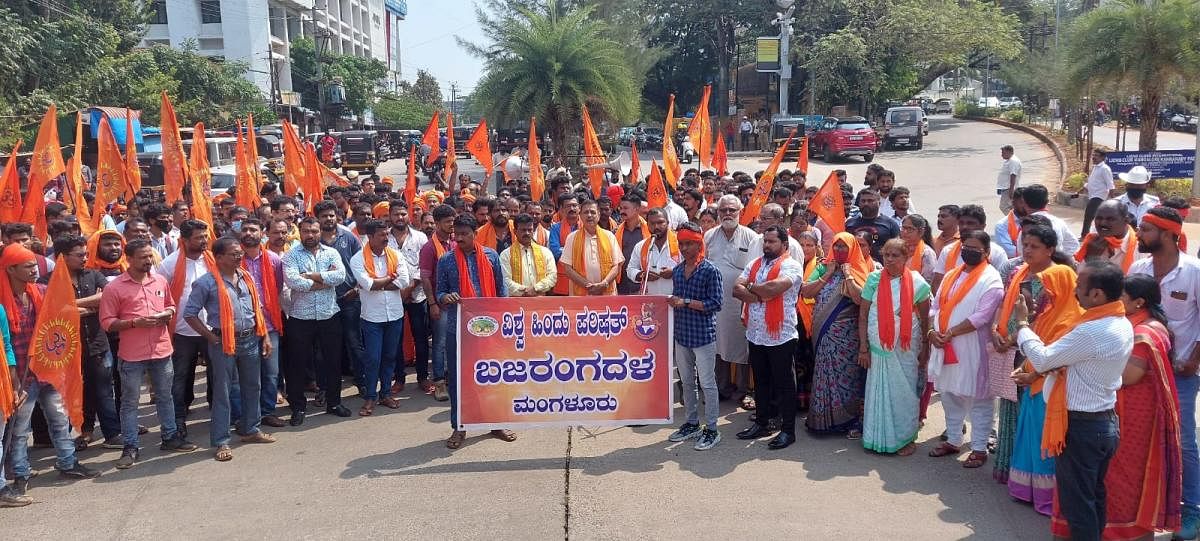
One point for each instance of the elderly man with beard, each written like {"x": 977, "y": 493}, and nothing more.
{"x": 266, "y": 271}
{"x": 731, "y": 247}
{"x": 1114, "y": 240}
{"x": 409, "y": 242}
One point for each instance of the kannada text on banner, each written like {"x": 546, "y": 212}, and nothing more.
{"x": 564, "y": 361}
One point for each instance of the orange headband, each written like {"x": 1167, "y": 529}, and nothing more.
{"x": 1164, "y": 224}
{"x": 687, "y": 235}
{"x": 15, "y": 254}
{"x": 381, "y": 209}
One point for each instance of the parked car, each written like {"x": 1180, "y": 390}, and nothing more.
{"x": 1011, "y": 102}
{"x": 989, "y": 102}
{"x": 840, "y": 138}
{"x": 902, "y": 126}
{"x": 507, "y": 139}
{"x": 943, "y": 105}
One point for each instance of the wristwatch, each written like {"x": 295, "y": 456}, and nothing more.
{"x": 687, "y": 302}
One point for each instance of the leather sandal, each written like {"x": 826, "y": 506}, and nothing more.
{"x": 224, "y": 454}
{"x": 505, "y": 435}
{"x": 975, "y": 459}
{"x": 945, "y": 449}
{"x": 456, "y": 439}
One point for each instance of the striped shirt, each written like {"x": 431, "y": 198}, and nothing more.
{"x": 1094, "y": 353}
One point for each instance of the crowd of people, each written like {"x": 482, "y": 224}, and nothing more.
{"x": 1071, "y": 358}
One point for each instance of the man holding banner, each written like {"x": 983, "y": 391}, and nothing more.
{"x": 469, "y": 271}
{"x": 696, "y": 297}
{"x": 591, "y": 258}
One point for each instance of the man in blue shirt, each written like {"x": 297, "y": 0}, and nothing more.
{"x": 449, "y": 293}
{"x": 346, "y": 244}
{"x": 696, "y": 297}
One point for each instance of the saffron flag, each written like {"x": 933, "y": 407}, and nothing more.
{"x": 293, "y": 160}
{"x": 245, "y": 193}
{"x": 410, "y": 182}
{"x": 10, "y": 191}
{"x": 252, "y": 152}
{"x": 762, "y": 190}
{"x": 670, "y": 158}
{"x": 802, "y": 160}
{"x": 479, "y": 147}
{"x": 635, "y": 168}
{"x": 537, "y": 178}
{"x": 828, "y": 204}
{"x": 450, "y": 153}
{"x": 720, "y": 159}
{"x": 74, "y": 181}
{"x": 700, "y": 130}
{"x": 133, "y": 171}
{"x": 201, "y": 176}
{"x": 46, "y": 164}
{"x": 175, "y": 166}
{"x": 328, "y": 178}
{"x": 430, "y": 137}
{"x": 54, "y": 352}
{"x": 656, "y": 192}
{"x": 593, "y": 155}
{"x": 313, "y": 180}
{"x": 8, "y": 399}
{"x": 110, "y": 172}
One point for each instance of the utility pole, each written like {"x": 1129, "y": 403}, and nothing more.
{"x": 1195, "y": 167}
{"x": 784, "y": 20}
{"x": 274, "y": 78}
{"x": 453, "y": 95}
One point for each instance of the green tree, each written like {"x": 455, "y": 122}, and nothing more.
{"x": 547, "y": 63}
{"x": 360, "y": 77}
{"x": 402, "y": 111}
{"x": 426, "y": 90}
{"x": 1146, "y": 45}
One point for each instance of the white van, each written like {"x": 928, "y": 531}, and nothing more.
{"x": 903, "y": 126}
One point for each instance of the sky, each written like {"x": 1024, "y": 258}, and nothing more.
{"x": 427, "y": 42}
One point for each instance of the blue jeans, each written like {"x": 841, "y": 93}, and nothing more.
{"x": 1079, "y": 474}
{"x": 382, "y": 345}
{"x": 56, "y": 418}
{"x": 452, "y": 368}
{"x": 244, "y": 365}
{"x": 98, "y": 399}
{"x": 1187, "y": 387}
{"x": 270, "y": 376}
{"x": 699, "y": 364}
{"x": 440, "y": 329}
{"x": 162, "y": 373}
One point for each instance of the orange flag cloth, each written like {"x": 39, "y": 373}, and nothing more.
{"x": 175, "y": 166}
{"x": 46, "y": 164}
{"x": 201, "y": 177}
{"x": 720, "y": 159}
{"x": 656, "y": 192}
{"x": 55, "y": 352}
{"x": 430, "y": 137}
{"x": 480, "y": 148}
{"x": 133, "y": 172}
{"x": 537, "y": 179}
{"x": 762, "y": 191}
{"x": 829, "y": 206}
{"x": 110, "y": 172}
{"x": 10, "y": 189}
{"x": 669, "y": 157}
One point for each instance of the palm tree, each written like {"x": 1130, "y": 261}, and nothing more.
{"x": 1144, "y": 44}
{"x": 548, "y": 63}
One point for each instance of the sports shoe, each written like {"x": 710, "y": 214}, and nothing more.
{"x": 79, "y": 471}
{"x": 10, "y": 499}
{"x": 128, "y": 457}
{"x": 20, "y": 486}
{"x": 115, "y": 442}
{"x": 177, "y": 444}
{"x": 685, "y": 432}
{"x": 440, "y": 393}
{"x": 708, "y": 439}
{"x": 1190, "y": 524}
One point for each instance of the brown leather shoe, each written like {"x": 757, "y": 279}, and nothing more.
{"x": 273, "y": 421}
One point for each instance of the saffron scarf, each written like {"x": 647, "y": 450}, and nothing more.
{"x": 1014, "y": 228}
{"x": 393, "y": 261}
{"x": 620, "y": 233}
{"x": 179, "y": 277}
{"x": 1010, "y": 299}
{"x": 672, "y": 247}
{"x": 1129, "y": 242}
{"x": 225, "y": 302}
{"x": 947, "y": 301}
{"x": 604, "y": 249}
{"x": 15, "y": 254}
{"x": 774, "y": 315}
{"x": 270, "y": 290}
{"x": 439, "y": 249}
{"x": 487, "y": 276}
{"x": 887, "y": 331}
{"x": 917, "y": 260}
{"x": 516, "y": 262}
{"x": 486, "y": 234}
{"x": 804, "y": 308}
{"x": 542, "y": 236}
{"x": 860, "y": 263}
{"x": 955, "y": 251}
{"x": 93, "y": 249}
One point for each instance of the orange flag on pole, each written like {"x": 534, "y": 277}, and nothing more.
{"x": 313, "y": 186}
{"x": 175, "y": 166}
{"x": 802, "y": 160}
{"x": 133, "y": 172}
{"x": 700, "y": 130}
{"x": 329, "y": 178}
{"x": 293, "y": 160}
{"x": 252, "y": 153}
{"x": 593, "y": 154}
{"x": 46, "y": 164}
{"x": 430, "y": 137}
{"x": 828, "y": 204}
{"x": 74, "y": 181}
{"x": 10, "y": 190}
{"x": 245, "y": 194}
{"x": 54, "y": 353}
{"x": 451, "y": 155}
{"x": 410, "y": 182}
{"x": 670, "y": 158}
{"x": 110, "y": 172}
{"x": 656, "y": 192}
{"x": 635, "y": 168}
{"x": 480, "y": 148}
{"x": 537, "y": 178}
{"x": 762, "y": 190}
{"x": 720, "y": 159}
{"x": 201, "y": 177}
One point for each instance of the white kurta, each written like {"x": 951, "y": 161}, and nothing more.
{"x": 731, "y": 256}
{"x": 962, "y": 377}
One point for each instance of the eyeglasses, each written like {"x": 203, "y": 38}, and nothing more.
{"x": 908, "y": 228}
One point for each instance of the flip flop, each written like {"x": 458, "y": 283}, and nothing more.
{"x": 505, "y": 435}
{"x": 390, "y": 403}
{"x": 456, "y": 439}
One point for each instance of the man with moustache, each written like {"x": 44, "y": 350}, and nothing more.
{"x": 632, "y": 229}
{"x": 947, "y": 224}
{"x": 528, "y": 267}
{"x": 654, "y": 259}
{"x": 1178, "y": 274}
{"x": 879, "y": 227}
{"x": 692, "y": 201}
{"x": 1114, "y": 240}
{"x": 566, "y": 221}
{"x": 496, "y": 232}
{"x": 266, "y": 272}
{"x": 731, "y": 247}
{"x": 278, "y": 233}
{"x": 591, "y": 258}
{"x": 409, "y": 242}
{"x": 346, "y": 244}
{"x": 441, "y": 241}
{"x": 970, "y": 218}
{"x": 384, "y": 282}
{"x": 181, "y": 269}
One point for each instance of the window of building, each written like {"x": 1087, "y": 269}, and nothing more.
{"x": 158, "y": 12}
{"x": 211, "y": 44}
{"x": 210, "y": 11}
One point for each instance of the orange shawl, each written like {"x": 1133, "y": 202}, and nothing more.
{"x": 486, "y": 234}
{"x": 1010, "y": 299}
{"x": 672, "y": 247}
{"x": 225, "y": 302}
{"x": 774, "y": 315}
{"x": 887, "y": 331}
{"x": 439, "y": 249}
{"x": 805, "y": 307}
{"x": 487, "y": 277}
{"x": 917, "y": 260}
{"x": 860, "y": 263}
{"x": 1130, "y": 242}
{"x": 947, "y": 301}
{"x": 93, "y": 249}
{"x": 270, "y": 290}
{"x": 578, "y": 262}
{"x": 393, "y": 261}
{"x": 620, "y": 233}
{"x": 15, "y": 254}
{"x": 179, "y": 277}
{"x": 1014, "y": 228}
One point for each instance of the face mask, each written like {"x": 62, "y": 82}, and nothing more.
{"x": 1135, "y": 193}
{"x": 972, "y": 258}
{"x": 236, "y": 225}
{"x": 841, "y": 257}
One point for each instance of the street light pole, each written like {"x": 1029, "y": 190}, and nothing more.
{"x": 784, "y": 20}
{"x": 1195, "y": 168}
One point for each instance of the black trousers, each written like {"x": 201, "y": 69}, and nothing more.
{"x": 1079, "y": 472}
{"x": 774, "y": 383}
{"x": 304, "y": 338}
{"x": 1089, "y": 214}
{"x": 418, "y": 322}
{"x": 188, "y": 350}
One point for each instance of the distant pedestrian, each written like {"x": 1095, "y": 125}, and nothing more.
{"x": 746, "y": 129}
{"x": 1099, "y": 187}
{"x": 1009, "y": 177}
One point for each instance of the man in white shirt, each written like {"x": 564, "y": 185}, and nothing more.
{"x": 188, "y": 344}
{"x": 534, "y": 277}
{"x": 1037, "y": 198}
{"x": 1178, "y": 275}
{"x": 746, "y": 129}
{"x": 1009, "y": 177}
{"x": 1099, "y": 187}
{"x": 590, "y": 276}
{"x": 408, "y": 241}
{"x": 1137, "y": 202}
{"x": 383, "y": 283}
{"x": 1093, "y": 354}
{"x": 1113, "y": 240}
{"x": 653, "y": 260}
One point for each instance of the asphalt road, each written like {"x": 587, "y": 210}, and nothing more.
{"x": 391, "y": 476}
{"x": 1167, "y": 140}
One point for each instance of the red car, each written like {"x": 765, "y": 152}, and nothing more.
{"x": 840, "y": 138}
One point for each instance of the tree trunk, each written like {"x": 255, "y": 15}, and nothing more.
{"x": 724, "y": 58}
{"x": 1148, "y": 134}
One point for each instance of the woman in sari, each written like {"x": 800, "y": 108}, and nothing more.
{"x": 811, "y": 244}
{"x": 835, "y": 406}
{"x": 918, "y": 242}
{"x": 893, "y": 318}
{"x": 1143, "y": 482}
{"x": 1049, "y": 290}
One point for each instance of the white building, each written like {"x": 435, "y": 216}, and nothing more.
{"x": 259, "y": 32}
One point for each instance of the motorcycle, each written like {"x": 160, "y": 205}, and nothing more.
{"x": 1182, "y": 122}
{"x": 686, "y": 151}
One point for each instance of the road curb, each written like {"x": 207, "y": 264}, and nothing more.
{"x": 1045, "y": 139}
